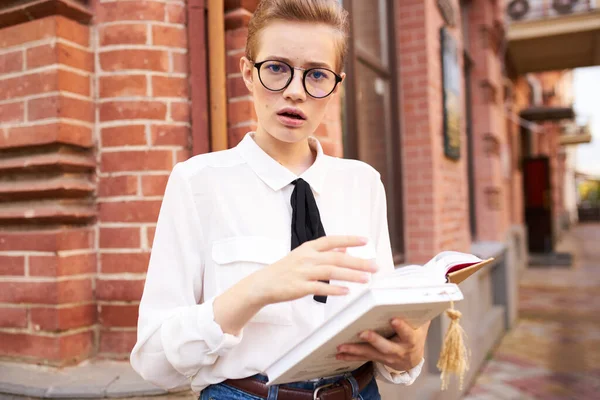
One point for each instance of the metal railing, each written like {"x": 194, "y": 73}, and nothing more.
{"x": 525, "y": 10}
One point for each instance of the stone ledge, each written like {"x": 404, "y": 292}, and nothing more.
{"x": 89, "y": 380}
{"x": 487, "y": 249}
{"x": 21, "y": 12}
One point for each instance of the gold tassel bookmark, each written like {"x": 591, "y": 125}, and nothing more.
{"x": 454, "y": 357}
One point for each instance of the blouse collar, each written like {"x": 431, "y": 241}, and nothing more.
{"x": 276, "y": 175}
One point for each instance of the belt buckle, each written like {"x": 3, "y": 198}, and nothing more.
{"x": 318, "y": 389}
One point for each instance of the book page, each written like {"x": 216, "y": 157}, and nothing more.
{"x": 432, "y": 273}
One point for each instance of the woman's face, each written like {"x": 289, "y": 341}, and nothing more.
{"x": 301, "y": 45}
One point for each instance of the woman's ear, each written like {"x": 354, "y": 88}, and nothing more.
{"x": 247, "y": 69}
{"x": 343, "y": 75}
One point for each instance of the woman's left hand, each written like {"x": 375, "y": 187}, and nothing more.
{"x": 401, "y": 352}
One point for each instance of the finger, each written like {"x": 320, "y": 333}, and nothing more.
{"x": 382, "y": 344}
{"x": 331, "y": 272}
{"x": 325, "y": 289}
{"x": 326, "y": 243}
{"x": 364, "y": 351}
{"x": 405, "y": 332}
{"x": 345, "y": 260}
{"x": 408, "y": 337}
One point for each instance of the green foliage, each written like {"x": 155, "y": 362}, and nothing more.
{"x": 589, "y": 192}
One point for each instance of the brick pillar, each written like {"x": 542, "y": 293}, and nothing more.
{"x": 241, "y": 116}
{"x": 434, "y": 187}
{"x": 489, "y": 128}
{"x": 516, "y": 183}
{"x": 416, "y": 140}
{"x": 547, "y": 144}
{"x": 143, "y": 121}
{"x": 47, "y": 240}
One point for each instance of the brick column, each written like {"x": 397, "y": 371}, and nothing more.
{"x": 547, "y": 144}
{"x": 47, "y": 259}
{"x": 435, "y": 188}
{"x": 241, "y": 116}
{"x": 489, "y": 128}
{"x": 143, "y": 123}
{"x": 411, "y": 47}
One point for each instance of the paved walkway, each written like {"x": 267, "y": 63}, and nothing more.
{"x": 554, "y": 350}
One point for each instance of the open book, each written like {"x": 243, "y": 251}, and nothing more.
{"x": 414, "y": 293}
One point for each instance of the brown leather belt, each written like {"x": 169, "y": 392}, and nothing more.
{"x": 341, "y": 390}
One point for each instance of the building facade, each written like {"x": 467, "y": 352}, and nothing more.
{"x": 100, "y": 99}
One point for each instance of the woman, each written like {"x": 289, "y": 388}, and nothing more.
{"x": 240, "y": 264}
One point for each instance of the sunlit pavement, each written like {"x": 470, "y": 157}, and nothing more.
{"x": 554, "y": 350}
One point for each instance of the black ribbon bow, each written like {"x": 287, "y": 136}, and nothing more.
{"x": 306, "y": 220}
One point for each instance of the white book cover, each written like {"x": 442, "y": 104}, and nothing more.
{"x": 373, "y": 309}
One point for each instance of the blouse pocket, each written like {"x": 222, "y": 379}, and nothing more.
{"x": 238, "y": 257}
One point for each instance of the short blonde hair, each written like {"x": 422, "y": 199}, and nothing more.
{"x": 327, "y": 12}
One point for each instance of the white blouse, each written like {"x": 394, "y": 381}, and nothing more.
{"x": 225, "y": 215}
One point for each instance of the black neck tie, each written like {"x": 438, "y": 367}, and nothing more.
{"x": 306, "y": 220}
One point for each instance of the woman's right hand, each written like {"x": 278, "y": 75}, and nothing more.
{"x": 296, "y": 275}
{"x": 304, "y": 269}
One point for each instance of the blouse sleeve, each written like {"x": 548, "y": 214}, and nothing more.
{"x": 176, "y": 335}
{"x": 385, "y": 261}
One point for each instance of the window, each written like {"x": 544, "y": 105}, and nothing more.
{"x": 468, "y": 72}
{"x": 371, "y": 131}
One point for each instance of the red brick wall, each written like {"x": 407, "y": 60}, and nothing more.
{"x": 47, "y": 246}
{"x": 547, "y": 144}
{"x": 241, "y": 116}
{"x": 520, "y": 101}
{"x": 143, "y": 128}
{"x": 451, "y": 199}
{"x": 515, "y": 195}
{"x": 435, "y": 188}
{"x": 492, "y": 183}
{"x": 417, "y": 157}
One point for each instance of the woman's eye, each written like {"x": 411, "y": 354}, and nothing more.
{"x": 276, "y": 68}
{"x": 318, "y": 75}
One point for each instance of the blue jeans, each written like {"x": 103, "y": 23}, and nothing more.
{"x": 222, "y": 391}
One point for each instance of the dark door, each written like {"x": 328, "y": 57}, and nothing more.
{"x": 538, "y": 204}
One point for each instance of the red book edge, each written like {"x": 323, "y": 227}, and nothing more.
{"x": 459, "y": 273}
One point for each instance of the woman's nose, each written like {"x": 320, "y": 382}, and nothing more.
{"x": 295, "y": 90}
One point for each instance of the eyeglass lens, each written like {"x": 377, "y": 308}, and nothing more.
{"x": 276, "y": 75}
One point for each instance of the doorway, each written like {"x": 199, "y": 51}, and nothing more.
{"x": 538, "y": 204}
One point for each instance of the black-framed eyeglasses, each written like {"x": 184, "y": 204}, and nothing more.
{"x": 276, "y": 75}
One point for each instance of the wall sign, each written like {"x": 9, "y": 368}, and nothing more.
{"x": 451, "y": 78}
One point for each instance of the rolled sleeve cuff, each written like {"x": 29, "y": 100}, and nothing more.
{"x": 218, "y": 342}
{"x": 400, "y": 377}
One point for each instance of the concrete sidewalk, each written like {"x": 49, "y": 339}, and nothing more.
{"x": 554, "y": 350}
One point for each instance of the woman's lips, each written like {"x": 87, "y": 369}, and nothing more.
{"x": 290, "y": 121}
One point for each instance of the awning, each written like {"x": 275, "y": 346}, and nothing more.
{"x": 546, "y": 113}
